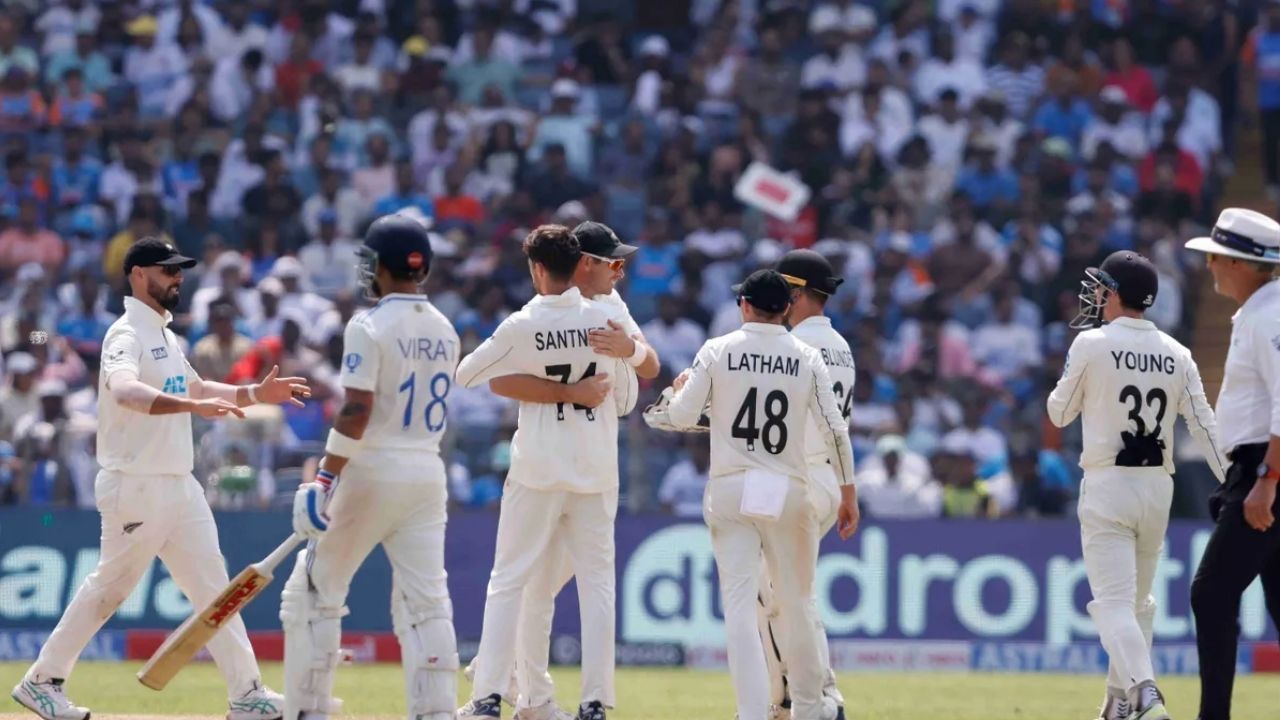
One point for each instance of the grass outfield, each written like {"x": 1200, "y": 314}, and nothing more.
{"x": 376, "y": 691}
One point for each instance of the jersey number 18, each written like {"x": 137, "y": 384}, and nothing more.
{"x": 434, "y": 414}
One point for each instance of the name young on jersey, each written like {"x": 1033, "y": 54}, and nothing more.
{"x": 1144, "y": 362}
{"x": 767, "y": 364}
{"x": 562, "y": 339}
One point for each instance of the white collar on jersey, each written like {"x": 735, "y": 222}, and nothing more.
{"x": 568, "y": 297}
{"x": 1261, "y": 297}
{"x": 819, "y": 320}
{"x": 1135, "y": 323}
{"x": 140, "y": 312}
{"x": 764, "y": 328}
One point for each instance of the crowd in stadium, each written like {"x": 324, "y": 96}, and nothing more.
{"x": 967, "y": 160}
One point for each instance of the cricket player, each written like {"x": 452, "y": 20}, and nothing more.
{"x": 150, "y": 503}
{"x": 1125, "y": 376}
{"x": 398, "y": 366}
{"x": 600, "y": 267}
{"x": 813, "y": 281}
{"x": 763, "y": 386}
{"x": 564, "y": 471}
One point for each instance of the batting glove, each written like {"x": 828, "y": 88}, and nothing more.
{"x": 309, "y": 517}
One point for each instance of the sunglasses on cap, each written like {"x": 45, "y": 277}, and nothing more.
{"x": 614, "y": 264}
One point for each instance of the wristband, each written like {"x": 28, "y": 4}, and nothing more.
{"x": 341, "y": 445}
{"x": 253, "y": 396}
{"x": 325, "y": 478}
{"x": 638, "y": 357}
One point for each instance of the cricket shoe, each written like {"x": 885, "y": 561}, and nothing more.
{"x": 486, "y": 707}
{"x": 1150, "y": 704}
{"x": 593, "y": 710}
{"x": 260, "y": 703}
{"x": 1115, "y": 709}
{"x": 46, "y": 699}
{"x": 546, "y": 711}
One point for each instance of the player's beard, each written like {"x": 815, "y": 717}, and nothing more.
{"x": 165, "y": 297}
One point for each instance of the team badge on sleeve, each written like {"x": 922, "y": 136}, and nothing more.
{"x": 353, "y": 361}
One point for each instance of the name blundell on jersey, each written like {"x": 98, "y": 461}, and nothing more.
{"x": 766, "y": 364}
{"x": 837, "y": 358}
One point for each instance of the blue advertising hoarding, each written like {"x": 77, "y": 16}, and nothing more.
{"x": 1008, "y": 581}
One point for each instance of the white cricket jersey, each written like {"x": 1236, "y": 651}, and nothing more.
{"x": 1128, "y": 377}
{"x": 404, "y": 351}
{"x": 615, "y": 305}
{"x": 558, "y": 446}
{"x": 1249, "y": 401}
{"x": 817, "y": 333}
{"x": 760, "y": 380}
{"x": 133, "y": 442}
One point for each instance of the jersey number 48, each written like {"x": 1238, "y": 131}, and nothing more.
{"x": 773, "y": 434}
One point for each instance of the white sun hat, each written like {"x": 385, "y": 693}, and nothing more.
{"x": 1242, "y": 234}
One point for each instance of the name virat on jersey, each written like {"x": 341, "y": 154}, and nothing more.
{"x": 425, "y": 348}
{"x": 767, "y": 364}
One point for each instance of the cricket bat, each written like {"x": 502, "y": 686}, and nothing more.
{"x": 193, "y": 634}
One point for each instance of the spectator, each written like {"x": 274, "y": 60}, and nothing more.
{"x": 83, "y": 321}
{"x": 94, "y": 66}
{"x": 963, "y": 495}
{"x": 59, "y": 23}
{"x": 573, "y": 133}
{"x": 682, "y": 486}
{"x": 1128, "y": 75}
{"x": 405, "y": 195}
{"x": 553, "y": 184}
{"x": 377, "y": 177}
{"x": 18, "y": 397}
{"x": 22, "y": 110}
{"x": 992, "y": 191}
{"x": 1017, "y": 79}
{"x": 239, "y": 34}
{"x": 30, "y": 241}
{"x": 330, "y": 258}
{"x": 1115, "y": 125}
{"x": 483, "y": 68}
{"x": 1008, "y": 349}
{"x": 152, "y": 66}
{"x": 766, "y": 85}
{"x": 501, "y": 160}
{"x": 75, "y": 106}
{"x": 946, "y": 70}
{"x": 293, "y": 75}
{"x": 1064, "y": 115}
{"x": 353, "y": 135}
{"x": 12, "y": 54}
{"x": 132, "y": 173}
{"x": 75, "y": 176}
{"x": 237, "y": 79}
{"x": 672, "y": 335}
{"x": 895, "y": 484}
{"x": 986, "y": 443}
{"x": 215, "y": 353}
{"x": 603, "y": 53}
{"x": 946, "y": 132}
{"x": 273, "y": 200}
{"x": 142, "y": 223}
{"x": 335, "y": 196}
{"x": 838, "y": 62}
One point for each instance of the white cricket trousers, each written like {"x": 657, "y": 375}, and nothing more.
{"x": 824, "y": 496}
{"x": 790, "y": 548}
{"x": 144, "y": 516}
{"x": 530, "y": 523}
{"x": 1124, "y": 513}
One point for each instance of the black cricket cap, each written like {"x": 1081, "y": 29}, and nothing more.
{"x": 600, "y": 240}
{"x": 401, "y": 243}
{"x": 810, "y": 270}
{"x": 150, "y": 251}
{"x": 1132, "y": 277}
{"x": 766, "y": 290}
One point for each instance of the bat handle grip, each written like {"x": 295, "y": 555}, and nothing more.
{"x": 269, "y": 563}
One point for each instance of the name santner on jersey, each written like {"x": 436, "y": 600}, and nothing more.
{"x": 562, "y": 339}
